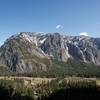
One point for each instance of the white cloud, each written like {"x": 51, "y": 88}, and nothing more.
{"x": 83, "y": 34}
{"x": 58, "y": 26}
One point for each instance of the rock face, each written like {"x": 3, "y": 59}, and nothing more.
{"x": 84, "y": 48}
{"x": 21, "y": 54}
{"x": 55, "y": 47}
{"x": 29, "y": 52}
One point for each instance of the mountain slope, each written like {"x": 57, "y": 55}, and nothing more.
{"x": 84, "y": 48}
{"x": 20, "y": 55}
{"x": 38, "y": 52}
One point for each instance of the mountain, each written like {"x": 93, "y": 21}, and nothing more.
{"x": 28, "y": 52}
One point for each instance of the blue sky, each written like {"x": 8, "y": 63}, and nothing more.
{"x": 69, "y": 17}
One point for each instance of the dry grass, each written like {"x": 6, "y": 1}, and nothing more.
{"x": 29, "y": 81}
{"x": 98, "y": 82}
{"x": 32, "y": 81}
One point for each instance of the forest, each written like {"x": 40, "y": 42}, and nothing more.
{"x": 58, "y": 89}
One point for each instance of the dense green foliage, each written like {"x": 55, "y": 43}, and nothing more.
{"x": 16, "y": 90}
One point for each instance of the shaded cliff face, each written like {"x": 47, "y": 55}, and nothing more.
{"x": 84, "y": 48}
{"x": 30, "y": 52}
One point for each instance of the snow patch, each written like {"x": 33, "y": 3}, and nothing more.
{"x": 85, "y": 49}
{"x": 42, "y": 41}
